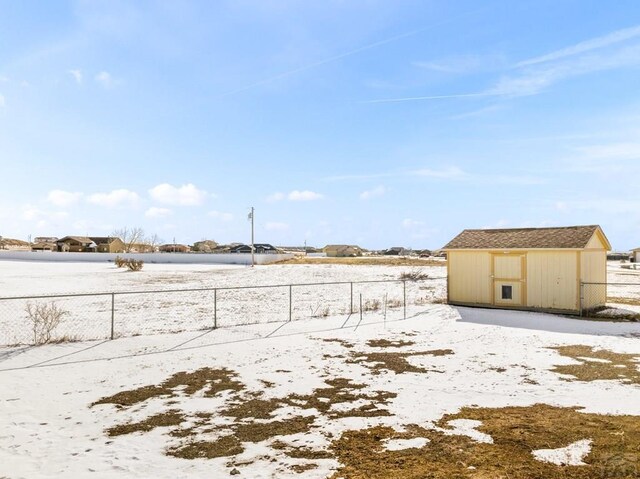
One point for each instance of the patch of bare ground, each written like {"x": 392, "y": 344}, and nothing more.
{"x": 516, "y": 433}
{"x": 366, "y": 261}
{"x": 341, "y": 342}
{"x": 213, "y": 381}
{"x": 386, "y": 343}
{"x": 396, "y": 361}
{"x": 247, "y": 416}
{"x": 300, "y": 468}
{"x": 169, "y": 418}
{"x": 599, "y": 364}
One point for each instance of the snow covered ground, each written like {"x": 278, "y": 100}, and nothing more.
{"x": 498, "y": 358}
{"x": 452, "y": 357}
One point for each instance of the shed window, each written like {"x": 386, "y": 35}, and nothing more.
{"x": 507, "y": 292}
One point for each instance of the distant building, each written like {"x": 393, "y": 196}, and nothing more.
{"x": 45, "y": 239}
{"x": 44, "y": 246}
{"x": 259, "y": 248}
{"x": 85, "y": 244}
{"x": 174, "y": 248}
{"x": 635, "y": 255}
{"x": 395, "y": 251}
{"x": 342, "y": 250}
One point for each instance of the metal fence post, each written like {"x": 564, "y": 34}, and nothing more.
{"x": 351, "y": 300}
{"x": 581, "y": 298}
{"x": 113, "y": 314}
{"x": 290, "y": 301}
{"x": 360, "y": 308}
{"x": 215, "y": 308}
{"x": 404, "y": 298}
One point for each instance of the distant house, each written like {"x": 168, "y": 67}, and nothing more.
{"x": 76, "y": 244}
{"x": 45, "y": 239}
{"x": 259, "y": 248}
{"x": 342, "y": 250}
{"x": 44, "y": 246}
{"x": 395, "y": 251}
{"x": 108, "y": 244}
{"x": 528, "y": 268}
{"x": 635, "y": 255}
{"x": 618, "y": 256}
{"x": 85, "y": 244}
{"x": 174, "y": 248}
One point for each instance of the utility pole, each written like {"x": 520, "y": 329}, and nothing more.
{"x": 251, "y": 215}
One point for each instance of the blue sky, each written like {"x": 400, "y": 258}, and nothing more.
{"x": 370, "y": 122}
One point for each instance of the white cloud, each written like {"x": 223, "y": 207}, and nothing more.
{"x": 220, "y": 215}
{"x": 276, "y": 226}
{"x": 155, "y": 212}
{"x": 305, "y": 195}
{"x": 185, "y": 195}
{"x": 63, "y": 198}
{"x": 77, "y": 76}
{"x": 463, "y": 63}
{"x": 275, "y": 197}
{"x": 105, "y": 80}
{"x": 116, "y": 198}
{"x": 586, "y": 46}
{"x": 374, "y": 193}
{"x": 33, "y": 213}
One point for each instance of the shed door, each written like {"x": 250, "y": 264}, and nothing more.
{"x": 508, "y": 279}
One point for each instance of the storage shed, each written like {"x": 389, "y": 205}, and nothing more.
{"x": 528, "y": 268}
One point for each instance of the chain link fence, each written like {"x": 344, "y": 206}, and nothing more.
{"x": 610, "y": 300}
{"x": 79, "y": 317}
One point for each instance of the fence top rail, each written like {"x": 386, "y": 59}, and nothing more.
{"x": 610, "y": 284}
{"x": 217, "y": 288}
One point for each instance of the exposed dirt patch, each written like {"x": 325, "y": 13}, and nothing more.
{"x": 339, "y": 392}
{"x": 599, "y": 364}
{"x": 516, "y": 432}
{"x": 300, "y": 452}
{"x": 300, "y": 468}
{"x": 170, "y": 418}
{"x": 386, "y": 343}
{"x": 367, "y": 260}
{"x": 341, "y": 342}
{"x": 396, "y": 362}
{"x": 213, "y": 381}
{"x": 225, "y": 446}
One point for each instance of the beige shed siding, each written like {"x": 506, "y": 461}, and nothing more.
{"x": 595, "y": 243}
{"x": 469, "y": 277}
{"x": 594, "y": 270}
{"x": 507, "y": 266}
{"x": 552, "y": 281}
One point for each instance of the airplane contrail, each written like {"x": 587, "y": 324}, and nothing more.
{"x": 349, "y": 53}
{"x": 433, "y": 97}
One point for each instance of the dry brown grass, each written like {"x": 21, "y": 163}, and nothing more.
{"x": 182, "y": 383}
{"x": 516, "y": 432}
{"x": 396, "y": 362}
{"x": 622, "y": 367}
{"x": 366, "y": 261}
{"x": 386, "y": 343}
{"x": 170, "y": 418}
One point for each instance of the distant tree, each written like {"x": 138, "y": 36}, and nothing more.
{"x": 204, "y": 246}
{"x": 152, "y": 242}
{"x": 129, "y": 236}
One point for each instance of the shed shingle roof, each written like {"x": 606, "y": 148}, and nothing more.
{"x": 524, "y": 238}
